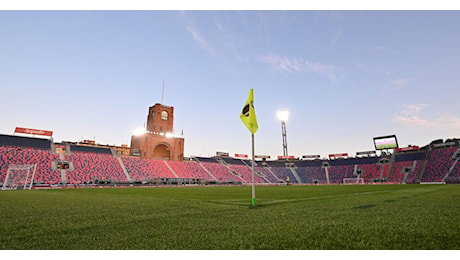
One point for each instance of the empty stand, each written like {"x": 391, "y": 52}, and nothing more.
{"x": 312, "y": 175}
{"x": 21, "y": 141}
{"x": 439, "y": 162}
{"x": 246, "y": 173}
{"x": 89, "y": 149}
{"x": 221, "y": 172}
{"x": 338, "y": 172}
{"x": 10, "y": 155}
{"x": 89, "y": 167}
{"x": 266, "y": 171}
{"x": 454, "y": 176}
{"x": 189, "y": 169}
{"x": 283, "y": 172}
{"x": 145, "y": 169}
{"x": 94, "y": 163}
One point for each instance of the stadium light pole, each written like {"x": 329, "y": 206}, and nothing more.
{"x": 283, "y": 115}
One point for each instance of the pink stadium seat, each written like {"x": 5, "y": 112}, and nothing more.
{"x": 221, "y": 172}
{"x": 455, "y": 174}
{"x": 313, "y": 174}
{"x": 10, "y": 155}
{"x": 438, "y": 165}
{"x": 144, "y": 169}
{"x": 189, "y": 169}
{"x": 91, "y": 166}
{"x": 397, "y": 176}
{"x": 268, "y": 175}
{"x": 338, "y": 172}
{"x": 282, "y": 173}
{"x": 246, "y": 173}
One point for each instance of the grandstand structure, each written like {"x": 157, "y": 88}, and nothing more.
{"x": 30, "y": 162}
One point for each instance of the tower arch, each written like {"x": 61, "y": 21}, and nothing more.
{"x": 162, "y": 151}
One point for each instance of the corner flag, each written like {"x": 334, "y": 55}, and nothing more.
{"x": 248, "y": 114}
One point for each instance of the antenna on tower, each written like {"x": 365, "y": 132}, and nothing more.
{"x": 162, "y": 92}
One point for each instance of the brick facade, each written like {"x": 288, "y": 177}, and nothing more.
{"x": 158, "y": 141}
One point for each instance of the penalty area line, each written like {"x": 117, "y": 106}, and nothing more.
{"x": 245, "y": 202}
{"x": 326, "y": 197}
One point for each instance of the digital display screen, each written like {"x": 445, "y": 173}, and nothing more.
{"x": 385, "y": 142}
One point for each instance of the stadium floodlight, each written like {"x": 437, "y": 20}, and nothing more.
{"x": 139, "y": 131}
{"x": 283, "y": 115}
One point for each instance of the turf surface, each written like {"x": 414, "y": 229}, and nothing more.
{"x": 294, "y": 217}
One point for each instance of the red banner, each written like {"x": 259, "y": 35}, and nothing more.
{"x": 338, "y": 155}
{"x": 31, "y": 131}
{"x": 290, "y": 157}
{"x": 237, "y": 155}
{"x": 409, "y": 148}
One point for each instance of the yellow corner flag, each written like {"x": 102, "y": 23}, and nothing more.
{"x": 248, "y": 114}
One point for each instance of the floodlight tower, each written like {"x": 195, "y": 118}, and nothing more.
{"x": 283, "y": 115}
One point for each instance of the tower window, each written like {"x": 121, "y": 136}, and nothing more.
{"x": 164, "y": 115}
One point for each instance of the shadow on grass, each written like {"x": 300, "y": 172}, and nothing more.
{"x": 389, "y": 201}
{"x": 259, "y": 204}
{"x": 365, "y": 206}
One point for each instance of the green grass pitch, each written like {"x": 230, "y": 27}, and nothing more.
{"x": 286, "y": 217}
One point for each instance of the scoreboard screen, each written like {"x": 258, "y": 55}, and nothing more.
{"x": 385, "y": 142}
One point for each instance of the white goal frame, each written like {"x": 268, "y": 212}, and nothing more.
{"x": 356, "y": 180}
{"x": 30, "y": 175}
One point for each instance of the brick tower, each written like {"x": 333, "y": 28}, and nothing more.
{"x": 158, "y": 140}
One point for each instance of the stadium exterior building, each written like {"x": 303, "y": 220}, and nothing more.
{"x": 158, "y": 141}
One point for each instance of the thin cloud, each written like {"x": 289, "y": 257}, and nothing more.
{"x": 200, "y": 39}
{"x": 449, "y": 121}
{"x": 396, "y": 85}
{"x": 219, "y": 26}
{"x": 410, "y": 109}
{"x": 411, "y": 115}
{"x": 282, "y": 63}
{"x": 415, "y": 115}
{"x": 377, "y": 48}
{"x": 413, "y": 121}
{"x": 293, "y": 64}
{"x": 336, "y": 37}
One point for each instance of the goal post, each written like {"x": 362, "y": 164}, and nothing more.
{"x": 356, "y": 180}
{"x": 19, "y": 177}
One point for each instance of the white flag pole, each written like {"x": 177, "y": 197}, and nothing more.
{"x": 253, "y": 177}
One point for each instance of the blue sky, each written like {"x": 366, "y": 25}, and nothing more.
{"x": 345, "y": 76}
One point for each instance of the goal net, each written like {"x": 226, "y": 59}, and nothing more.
{"x": 19, "y": 177}
{"x": 356, "y": 180}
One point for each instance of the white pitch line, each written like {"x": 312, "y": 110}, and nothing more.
{"x": 244, "y": 202}
{"x": 326, "y": 197}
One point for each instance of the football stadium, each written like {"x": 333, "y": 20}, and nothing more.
{"x": 371, "y": 96}
{"x": 83, "y": 195}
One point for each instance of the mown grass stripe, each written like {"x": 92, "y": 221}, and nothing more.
{"x": 294, "y": 217}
